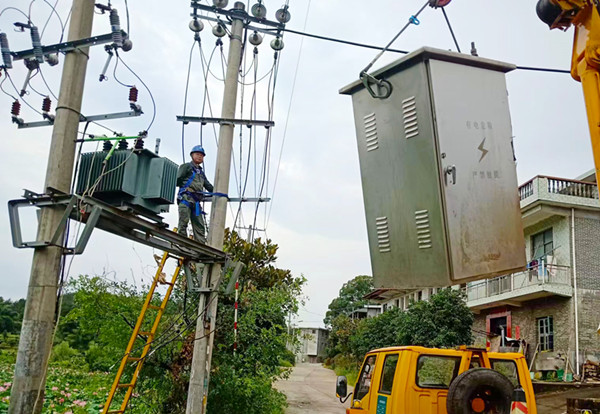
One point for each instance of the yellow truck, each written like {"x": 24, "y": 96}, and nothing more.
{"x": 419, "y": 380}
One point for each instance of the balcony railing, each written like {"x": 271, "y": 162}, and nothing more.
{"x": 552, "y": 185}
{"x": 535, "y": 276}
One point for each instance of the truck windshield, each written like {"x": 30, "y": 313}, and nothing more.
{"x": 364, "y": 379}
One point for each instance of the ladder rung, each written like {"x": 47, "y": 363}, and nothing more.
{"x": 145, "y": 333}
{"x": 125, "y": 385}
{"x": 167, "y": 283}
{"x": 115, "y": 411}
{"x": 133, "y": 359}
{"x": 154, "y": 307}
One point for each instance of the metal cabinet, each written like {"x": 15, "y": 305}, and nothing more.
{"x": 438, "y": 171}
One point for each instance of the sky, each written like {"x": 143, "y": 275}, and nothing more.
{"x": 316, "y": 214}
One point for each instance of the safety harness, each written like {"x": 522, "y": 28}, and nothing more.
{"x": 197, "y": 196}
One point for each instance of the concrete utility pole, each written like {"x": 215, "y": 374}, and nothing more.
{"x": 200, "y": 373}
{"x": 35, "y": 344}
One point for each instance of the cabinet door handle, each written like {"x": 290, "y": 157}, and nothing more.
{"x": 450, "y": 170}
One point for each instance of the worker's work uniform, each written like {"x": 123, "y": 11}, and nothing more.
{"x": 191, "y": 181}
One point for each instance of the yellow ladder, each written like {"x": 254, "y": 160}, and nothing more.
{"x": 138, "y": 361}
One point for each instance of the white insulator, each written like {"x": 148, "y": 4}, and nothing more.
{"x": 6, "y": 56}
{"x": 277, "y": 44}
{"x": 37, "y": 44}
{"x": 283, "y": 15}
{"x": 115, "y": 27}
{"x": 255, "y": 39}
{"x": 52, "y": 59}
{"x": 196, "y": 25}
{"x": 259, "y": 11}
{"x": 219, "y": 31}
{"x": 220, "y": 3}
{"x": 127, "y": 45}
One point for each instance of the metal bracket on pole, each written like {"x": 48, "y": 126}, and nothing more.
{"x": 65, "y": 47}
{"x": 83, "y": 118}
{"x": 97, "y": 214}
{"x": 225, "y": 121}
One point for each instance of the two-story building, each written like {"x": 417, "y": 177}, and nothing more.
{"x": 313, "y": 342}
{"x": 554, "y": 305}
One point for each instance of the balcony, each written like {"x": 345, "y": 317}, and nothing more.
{"x": 543, "y": 197}
{"x": 536, "y": 282}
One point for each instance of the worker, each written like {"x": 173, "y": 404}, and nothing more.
{"x": 191, "y": 181}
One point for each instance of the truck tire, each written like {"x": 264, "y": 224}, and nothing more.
{"x": 479, "y": 391}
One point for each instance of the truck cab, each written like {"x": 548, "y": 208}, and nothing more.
{"x": 418, "y": 380}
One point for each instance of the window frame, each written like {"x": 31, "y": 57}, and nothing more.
{"x": 510, "y": 361}
{"x": 545, "y": 339}
{"x": 383, "y": 372}
{"x": 457, "y": 360}
{"x": 373, "y": 366}
{"x": 543, "y": 234}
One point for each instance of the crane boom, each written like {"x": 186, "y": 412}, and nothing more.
{"x": 584, "y": 15}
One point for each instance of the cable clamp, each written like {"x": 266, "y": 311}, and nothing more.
{"x": 414, "y": 20}
{"x": 384, "y": 87}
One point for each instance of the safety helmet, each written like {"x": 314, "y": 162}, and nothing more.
{"x": 198, "y": 148}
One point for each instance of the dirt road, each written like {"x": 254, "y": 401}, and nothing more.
{"x": 311, "y": 389}
{"x": 556, "y": 402}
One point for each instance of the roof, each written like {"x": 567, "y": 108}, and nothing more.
{"x": 384, "y": 293}
{"x": 429, "y": 53}
{"x": 442, "y": 351}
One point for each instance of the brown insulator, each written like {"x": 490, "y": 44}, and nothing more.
{"x": 16, "y": 108}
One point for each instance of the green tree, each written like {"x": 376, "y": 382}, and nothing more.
{"x": 378, "y": 332}
{"x": 10, "y": 319}
{"x": 350, "y": 298}
{"x": 444, "y": 320}
{"x": 342, "y": 328}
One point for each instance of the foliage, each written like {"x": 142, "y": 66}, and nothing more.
{"x": 444, "y": 320}
{"x": 342, "y": 328}
{"x": 97, "y": 317}
{"x": 350, "y": 298}
{"x": 11, "y": 314}
{"x": 378, "y": 332}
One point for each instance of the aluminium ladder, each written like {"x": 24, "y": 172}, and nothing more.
{"x": 138, "y": 361}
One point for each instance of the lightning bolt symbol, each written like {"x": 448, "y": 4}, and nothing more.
{"x": 483, "y": 150}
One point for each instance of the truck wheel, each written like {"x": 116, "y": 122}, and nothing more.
{"x": 479, "y": 391}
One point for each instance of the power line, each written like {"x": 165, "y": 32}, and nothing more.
{"x": 363, "y": 45}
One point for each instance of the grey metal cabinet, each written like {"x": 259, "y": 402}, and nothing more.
{"x": 438, "y": 171}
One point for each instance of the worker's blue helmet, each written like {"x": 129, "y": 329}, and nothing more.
{"x": 198, "y": 148}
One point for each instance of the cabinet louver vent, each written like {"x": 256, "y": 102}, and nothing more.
{"x": 371, "y": 132}
{"x": 383, "y": 234}
{"x": 423, "y": 229}
{"x": 409, "y": 111}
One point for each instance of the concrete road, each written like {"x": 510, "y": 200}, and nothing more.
{"x": 311, "y": 389}
{"x": 556, "y": 402}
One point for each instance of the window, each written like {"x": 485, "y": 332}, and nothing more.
{"x": 436, "y": 371}
{"x": 387, "y": 374}
{"x": 397, "y": 303}
{"x": 364, "y": 379}
{"x": 546, "y": 333}
{"x": 420, "y": 296}
{"x": 506, "y": 368}
{"x": 541, "y": 244}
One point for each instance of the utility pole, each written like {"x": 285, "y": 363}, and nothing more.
{"x": 35, "y": 344}
{"x": 205, "y": 324}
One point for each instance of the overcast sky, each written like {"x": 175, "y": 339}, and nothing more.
{"x": 316, "y": 215}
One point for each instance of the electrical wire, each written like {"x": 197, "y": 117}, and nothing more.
{"x": 145, "y": 86}
{"x": 288, "y": 114}
{"x": 115, "y": 75}
{"x": 62, "y": 25}
{"x": 14, "y": 8}
{"x": 363, "y": 45}
{"x": 450, "y": 27}
{"x": 47, "y": 86}
{"x": 185, "y": 96}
